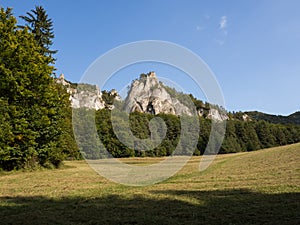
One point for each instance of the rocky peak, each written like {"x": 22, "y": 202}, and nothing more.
{"x": 147, "y": 95}
{"x": 61, "y": 80}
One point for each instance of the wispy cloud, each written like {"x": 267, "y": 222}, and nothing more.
{"x": 204, "y": 20}
{"x": 223, "y": 23}
{"x": 223, "y": 30}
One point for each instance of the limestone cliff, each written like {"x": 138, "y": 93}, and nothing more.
{"x": 217, "y": 115}
{"x": 148, "y": 95}
{"x": 83, "y": 95}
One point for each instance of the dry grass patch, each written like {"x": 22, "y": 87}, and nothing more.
{"x": 261, "y": 187}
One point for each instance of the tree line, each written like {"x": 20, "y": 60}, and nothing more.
{"x": 240, "y": 136}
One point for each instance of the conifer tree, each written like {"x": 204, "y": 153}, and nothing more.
{"x": 41, "y": 26}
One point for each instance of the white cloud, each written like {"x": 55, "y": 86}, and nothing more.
{"x": 222, "y": 31}
{"x": 223, "y": 23}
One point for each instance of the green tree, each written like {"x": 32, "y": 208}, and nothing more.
{"x": 41, "y": 26}
{"x": 263, "y": 130}
{"x": 34, "y": 104}
{"x": 205, "y": 128}
{"x": 231, "y": 142}
{"x": 252, "y": 142}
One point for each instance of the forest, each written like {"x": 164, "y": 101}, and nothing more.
{"x": 240, "y": 136}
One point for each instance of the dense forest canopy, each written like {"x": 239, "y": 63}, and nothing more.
{"x": 240, "y": 135}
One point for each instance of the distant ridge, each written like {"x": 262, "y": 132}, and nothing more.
{"x": 278, "y": 119}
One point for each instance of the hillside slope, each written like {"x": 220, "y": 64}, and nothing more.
{"x": 290, "y": 119}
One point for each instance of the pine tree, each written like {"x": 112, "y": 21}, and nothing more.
{"x": 41, "y": 26}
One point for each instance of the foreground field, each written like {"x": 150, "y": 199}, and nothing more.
{"x": 261, "y": 187}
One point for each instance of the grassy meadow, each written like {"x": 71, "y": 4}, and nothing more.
{"x": 261, "y": 187}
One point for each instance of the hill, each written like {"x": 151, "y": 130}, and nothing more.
{"x": 260, "y": 187}
{"x": 148, "y": 98}
{"x": 278, "y": 119}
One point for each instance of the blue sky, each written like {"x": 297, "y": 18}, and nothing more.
{"x": 253, "y": 47}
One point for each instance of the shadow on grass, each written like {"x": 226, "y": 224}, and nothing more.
{"x": 166, "y": 207}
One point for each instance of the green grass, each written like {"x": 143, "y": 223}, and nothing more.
{"x": 261, "y": 187}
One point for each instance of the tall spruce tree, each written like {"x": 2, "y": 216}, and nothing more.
{"x": 41, "y": 26}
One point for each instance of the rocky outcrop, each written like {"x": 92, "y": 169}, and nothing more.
{"x": 146, "y": 95}
{"x": 245, "y": 117}
{"x": 83, "y": 95}
{"x": 149, "y": 96}
{"x": 91, "y": 99}
{"x": 217, "y": 115}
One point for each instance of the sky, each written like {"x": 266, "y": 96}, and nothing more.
{"x": 252, "y": 47}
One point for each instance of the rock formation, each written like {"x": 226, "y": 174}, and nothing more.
{"x": 146, "y": 95}
{"x": 83, "y": 95}
{"x": 217, "y": 115}
{"x": 149, "y": 96}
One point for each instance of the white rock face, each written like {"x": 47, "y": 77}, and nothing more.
{"x": 84, "y": 96}
{"x": 245, "y": 117}
{"x": 215, "y": 114}
{"x": 147, "y": 95}
{"x": 61, "y": 80}
{"x": 116, "y": 95}
{"x": 91, "y": 99}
